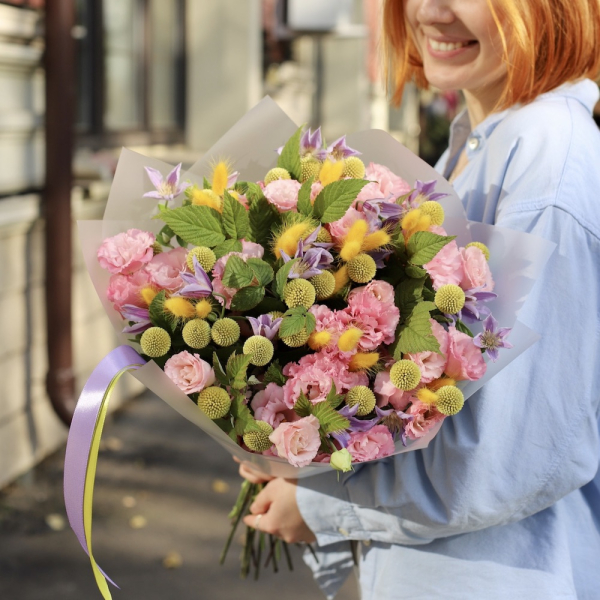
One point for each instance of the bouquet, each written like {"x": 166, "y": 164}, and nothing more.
{"x": 311, "y": 309}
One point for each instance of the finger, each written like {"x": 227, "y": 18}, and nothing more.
{"x": 253, "y": 475}
{"x": 262, "y": 502}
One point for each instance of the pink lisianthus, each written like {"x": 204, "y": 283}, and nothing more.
{"x": 298, "y": 442}
{"x": 477, "y": 272}
{"x": 390, "y": 185}
{"x": 432, "y": 364}
{"x": 465, "y": 360}
{"x": 313, "y": 374}
{"x": 387, "y": 393}
{"x": 189, "y": 372}
{"x": 332, "y": 321}
{"x": 446, "y": 266}
{"x": 126, "y": 252}
{"x": 252, "y": 250}
{"x": 424, "y": 418}
{"x": 315, "y": 189}
{"x": 125, "y": 289}
{"x": 339, "y": 229}
{"x": 268, "y": 406}
{"x": 283, "y": 194}
{"x": 370, "y": 445}
{"x": 164, "y": 269}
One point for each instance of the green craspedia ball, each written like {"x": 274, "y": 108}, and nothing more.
{"x": 354, "y": 168}
{"x": 309, "y": 167}
{"x": 205, "y": 256}
{"x": 405, "y": 375}
{"x": 482, "y": 247}
{"x": 214, "y": 402}
{"x": 434, "y": 210}
{"x": 225, "y": 332}
{"x": 450, "y": 400}
{"x": 276, "y": 314}
{"x": 324, "y": 285}
{"x": 361, "y": 268}
{"x": 296, "y": 340}
{"x": 196, "y": 333}
{"x": 155, "y": 342}
{"x": 299, "y": 292}
{"x": 260, "y": 349}
{"x": 450, "y": 299}
{"x": 275, "y": 174}
{"x": 324, "y": 237}
{"x": 364, "y": 397}
{"x": 258, "y": 441}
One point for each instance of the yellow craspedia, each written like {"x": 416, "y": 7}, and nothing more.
{"x": 318, "y": 340}
{"x": 450, "y": 400}
{"x": 225, "y": 332}
{"x": 275, "y": 174}
{"x": 482, "y": 247}
{"x": 155, "y": 342}
{"x": 349, "y": 339}
{"x": 363, "y": 361}
{"x": 203, "y": 308}
{"x": 341, "y": 278}
{"x": 354, "y": 168}
{"x": 309, "y": 167}
{"x": 214, "y": 402}
{"x": 148, "y": 294}
{"x": 330, "y": 171}
{"x": 376, "y": 240}
{"x": 362, "y": 268}
{"x": 260, "y": 349}
{"x": 288, "y": 238}
{"x": 324, "y": 237}
{"x": 354, "y": 239}
{"x": 299, "y": 292}
{"x": 450, "y": 299}
{"x": 324, "y": 285}
{"x": 180, "y": 307}
{"x": 276, "y": 314}
{"x": 434, "y": 211}
{"x": 258, "y": 441}
{"x": 296, "y": 340}
{"x": 364, "y": 397}
{"x": 205, "y": 257}
{"x": 220, "y": 177}
{"x": 196, "y": 334}
{"x": 200, "y": 197}
{"x": 405, "y": 375}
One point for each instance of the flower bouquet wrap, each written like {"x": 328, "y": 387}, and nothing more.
{"x": 309, "y": 308}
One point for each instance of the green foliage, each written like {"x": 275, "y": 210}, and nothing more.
{"x": 415, "y": 335}
{"x": 290, "y": 155}
{"x": 206, "y": 184}
{"x": 247, "y": 298}
{"x": 304, "y": 204}
{"x": 335, "y": 199}
{"x": 460, "y": 326}
{"x": 262, "y": 218}
{"x": 424, "y": 245}
{"x": 282, "y": 276}
{"x": 157, "y": 314}
{"x": 333, "y": 398}
{"x": 330, "y": 420}
{"x": 219, "y": 372}
{"x": 408, "y": 294}
{"x": 303, "y": 406}
{"x": 294, "y": 320}
{"x": 197, "y": 225}
{"x": 226, "y": 247}
{"x": 415, "y": 272}
{"x": 242, "y": 417}
{"x": 237, "y": 366}
{"x": 310, "y": 323}
{"x": 237, "y": 273}
{"x": 262, "y": 270}
{"x": 275, "y": 374}
{"x": 235, "y": 218}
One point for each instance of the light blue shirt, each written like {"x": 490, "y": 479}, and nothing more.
{"x": 505, "y": 502}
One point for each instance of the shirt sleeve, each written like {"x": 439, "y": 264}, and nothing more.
{"x": 526, "y": 439}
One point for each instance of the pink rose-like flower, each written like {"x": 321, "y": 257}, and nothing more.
{"x": 315, "y": 189}
{"x": 283, "y": 194}
{"x": 126, "y": 252}
{"x": 446, "y": 266}
{"x": 164, "y": 269}
{"x": 477, "y": 272}
{"x": 189, "y": 372}
{"x": 268, "y": 406}
{"x": 465, "y": 360}
{"x": 387, "y": 393}
{"x": 298, "y": 442}
{"x": 252, "y": 250}
{"x": 425, "y": 417}
{"x": 432, "y": 364}
{"x": 125, "y": 289}
{"x": 369, "y": 445}
{"x": 390, "y": 184}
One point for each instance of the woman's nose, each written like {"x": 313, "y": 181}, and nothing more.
{"x": 435, "y": 11}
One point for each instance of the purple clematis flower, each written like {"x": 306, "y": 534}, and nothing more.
{"x": 339, "y": 149}
{"x": 425, "y": 189}
{"x": 395, "y": 421}
{"x": 166, "y": 188}
{"x": 314, "y": 257}
{"x": 139, "y": 316}
{"x": 197, "y": 285}
{"x": 265, "y": 325}
{"x": 311, "y": 144}
{"x": 492, "y": 338}
{"x": 473, "y": 310}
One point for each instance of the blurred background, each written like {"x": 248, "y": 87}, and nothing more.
{"x": 79, "y": 79}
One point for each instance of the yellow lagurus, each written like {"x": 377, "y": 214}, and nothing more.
{"x": 354, "y": 240}
{"x": 220, "y": 177}
{"x": 200, "y": 197}
{"x": 331, "y": 171}
{"x": 180, "y": 307}
{"x": 288, "y": 238}
{"x": 349, "y": 339}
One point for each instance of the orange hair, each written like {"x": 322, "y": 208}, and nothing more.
{"x": 545, "y": 44}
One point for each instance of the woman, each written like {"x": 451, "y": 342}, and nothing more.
{"x": 505, "y": 502}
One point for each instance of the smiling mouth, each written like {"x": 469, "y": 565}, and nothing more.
{"x": 448, "y": 46}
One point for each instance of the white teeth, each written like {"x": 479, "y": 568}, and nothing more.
{"x": 446, "y": 46}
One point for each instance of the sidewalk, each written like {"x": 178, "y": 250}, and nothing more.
{"x": 163, "y": 491}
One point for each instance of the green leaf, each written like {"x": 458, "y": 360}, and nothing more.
{"x": 310, "y": 323}
{"x": 460, "y": 326}
{"x": 270, "y": 304}
{"x": 237, "y": 366}
{"x": 241, "y": 414}
{"x": 197, "y": 225}
{"x": 415, "y": 272}
{"x": 263, "y": 218}
{"x": 247, "y": 298}
{"x": 294, "y": 320}
{"x": 157, "y": 314}
{"x": 424, "y": 245}
{"x": 335, "y": 199}
{"x": 330, "y": 420}
{"x": 304, "y": 205}
{"x": 408, "y": 294}
{"x": 333, "y": 398}
{"x": 303, "y": 406}
{"x": 206, "y": 184}
{"x": 237, "y": 273}
{"x": 219, "y": 372}
{"x": 275, "y": 374}
{"x": 226, "y": 247}
{"x": 235, "y": 218}
{"x": 262, "y": 270}
{"x": 290, "y": 155}
{"x": 253, "y": 192}
{"x": 416, "y": 334}
{"x": 282, "y": 276}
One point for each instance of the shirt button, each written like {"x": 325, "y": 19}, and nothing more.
{"x": 366, "y": 543}
{"x": 343, "y": 532}
{"x": 473, "y": 143}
